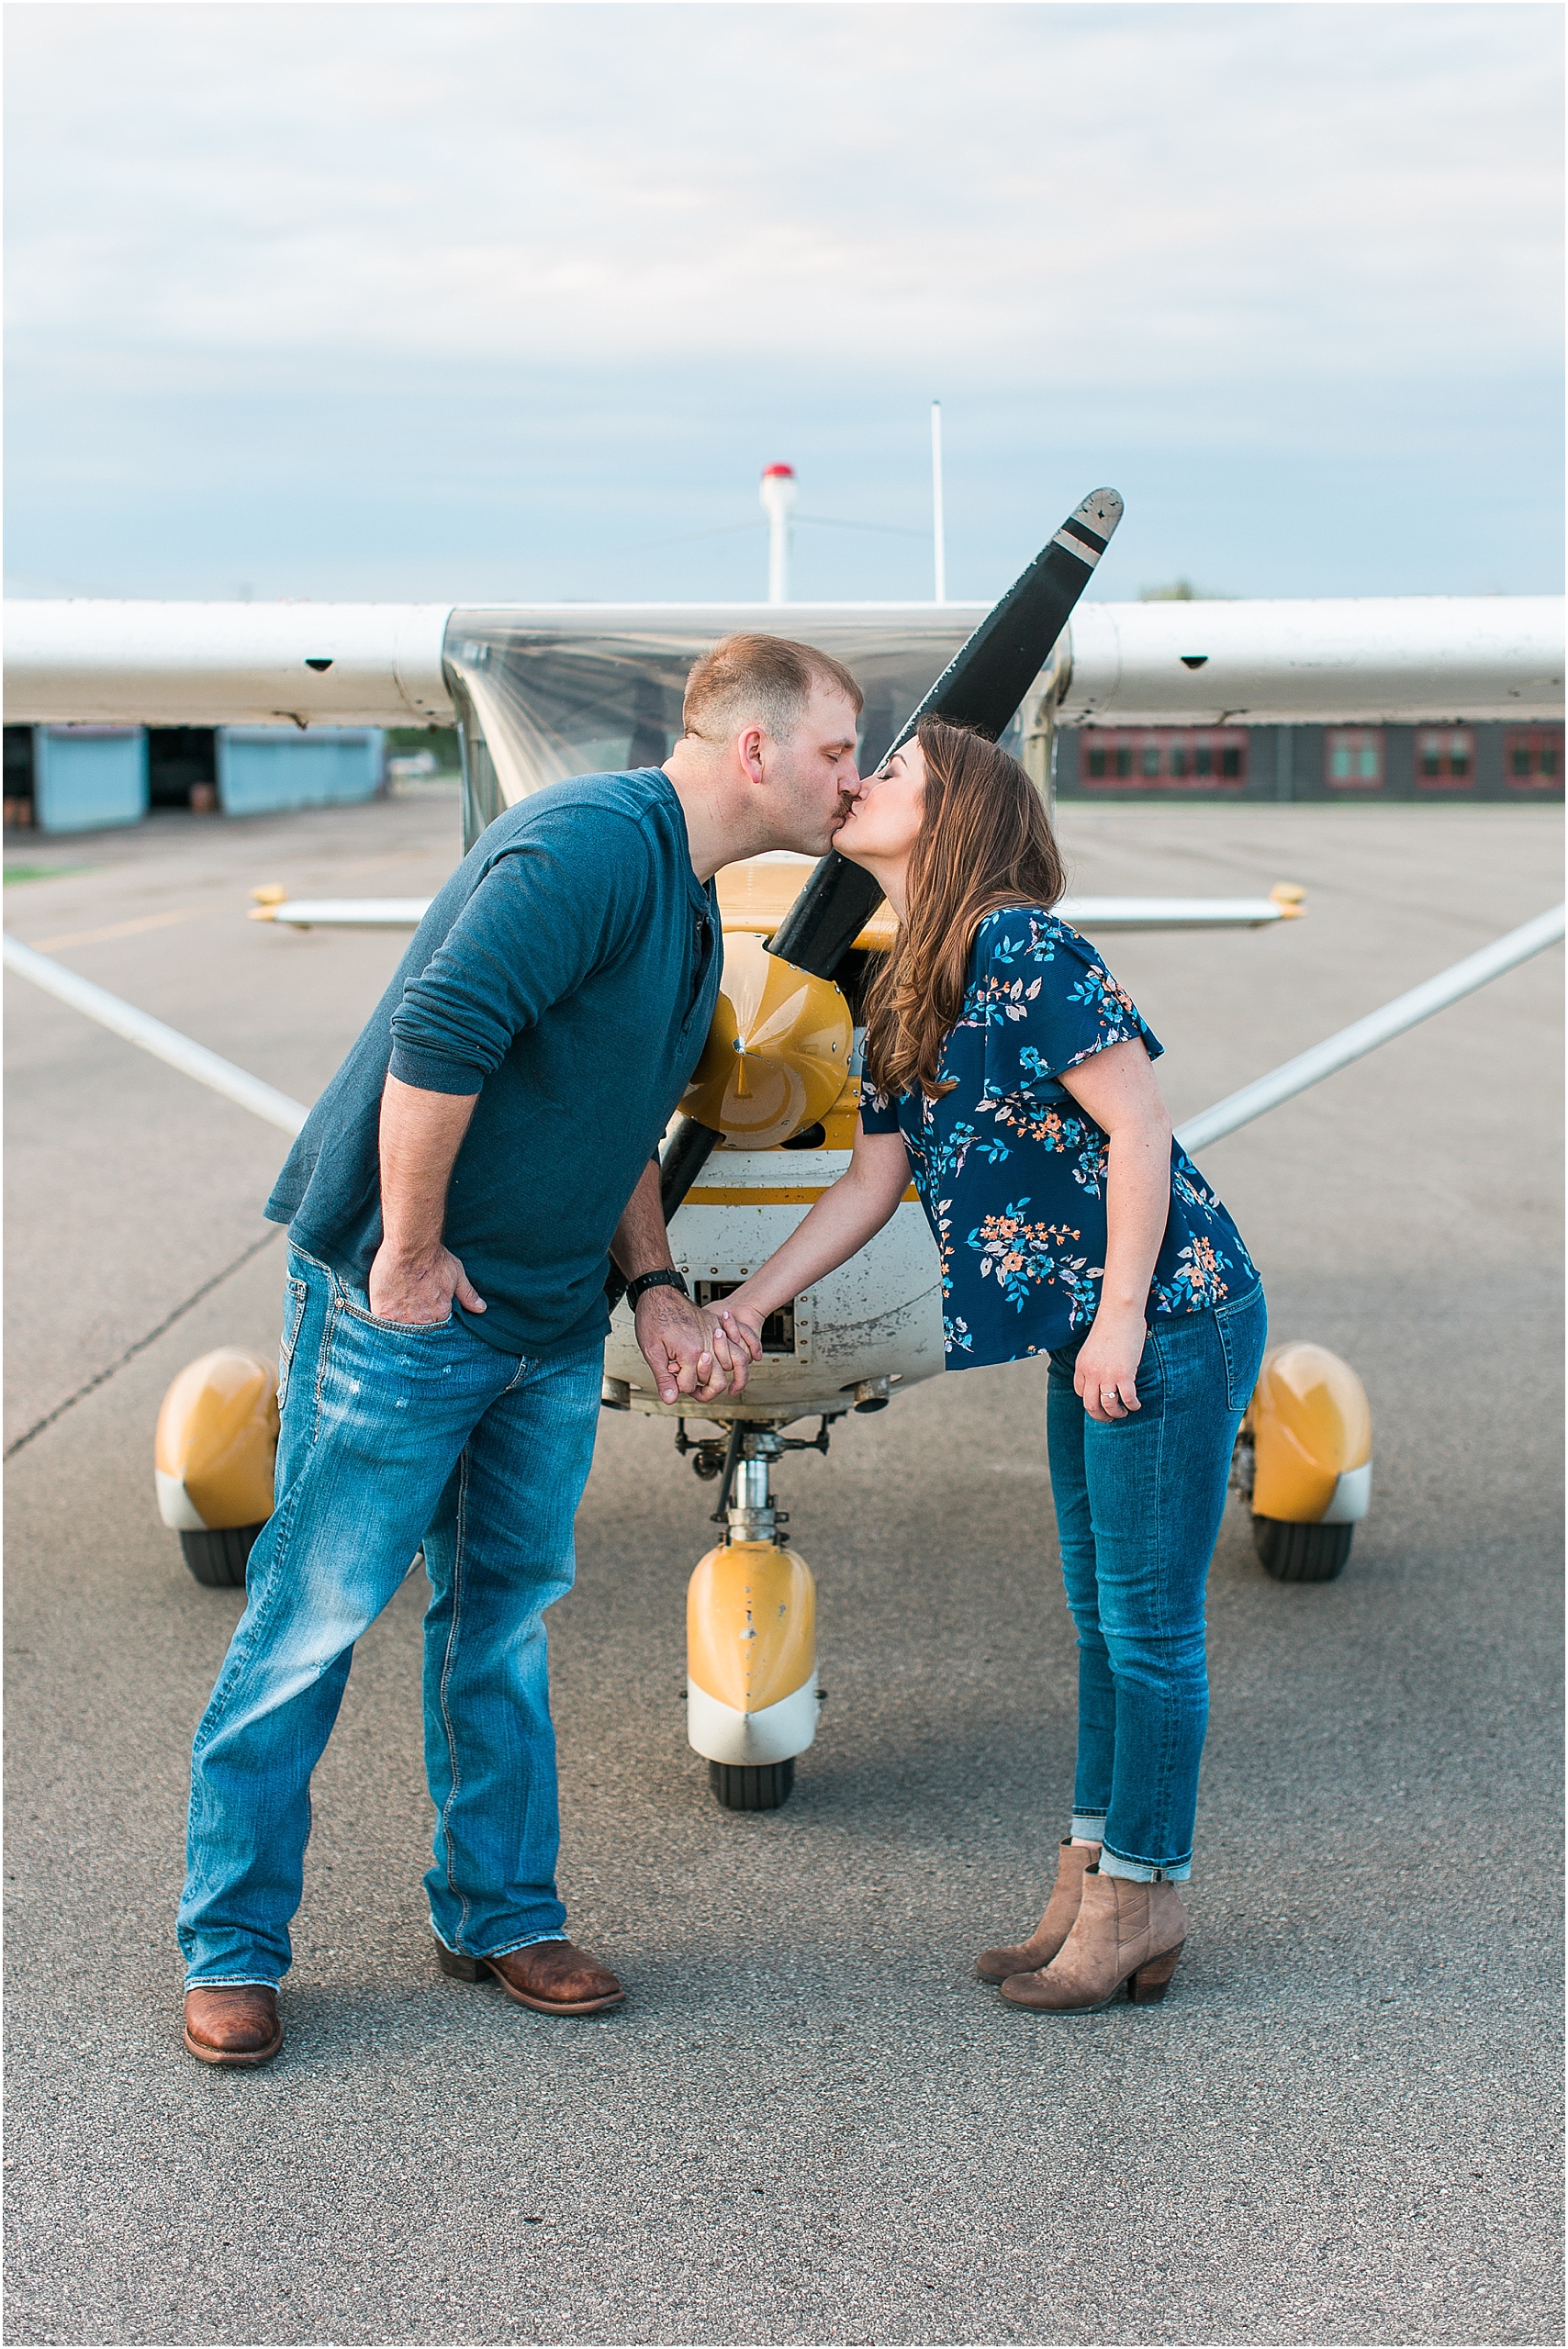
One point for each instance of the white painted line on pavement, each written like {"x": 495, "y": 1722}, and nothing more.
{"x": 164, "y": 1042}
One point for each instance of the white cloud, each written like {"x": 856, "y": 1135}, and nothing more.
{"x": 1324, "y": 230}
{"x": 1110, "y": 184}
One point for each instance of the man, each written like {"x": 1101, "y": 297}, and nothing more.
{"x": 450, "y": 1204}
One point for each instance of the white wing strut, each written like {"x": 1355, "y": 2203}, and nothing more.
{"x": 1364, "y": 1036}
{"x": 1236, "y": 1110}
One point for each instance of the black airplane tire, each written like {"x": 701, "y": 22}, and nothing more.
{"x": 1301, "y": 1553}
{"x": 742, "y": 1786}
{"x": 219, "y": 1560}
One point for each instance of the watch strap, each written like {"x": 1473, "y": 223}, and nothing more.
{"x": 666, "y": 1278}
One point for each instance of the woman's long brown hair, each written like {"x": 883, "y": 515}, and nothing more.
{"x": 986, "y": 842}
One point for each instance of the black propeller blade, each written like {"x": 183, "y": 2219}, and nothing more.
{"x": 981, "y": 686}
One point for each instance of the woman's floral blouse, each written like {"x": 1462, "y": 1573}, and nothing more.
{"x": 1011, "y": 1170}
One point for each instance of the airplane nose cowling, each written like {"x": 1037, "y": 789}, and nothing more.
{"x": 778, "y": 1054}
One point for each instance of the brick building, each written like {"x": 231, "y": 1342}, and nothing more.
{"x": 1323, "y": 763}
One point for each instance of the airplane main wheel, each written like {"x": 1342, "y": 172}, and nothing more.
{"x": 1301, "y": 1553}
{"x": 219, "y": 1560}
{"x": 742, "y": 1786}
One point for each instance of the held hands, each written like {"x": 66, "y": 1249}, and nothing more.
{"x": 742, "y": 1323}
{"x": 419, "y": 1289}
{"x": 686, "y": 1349}
{"x": 1106, "y": 1376}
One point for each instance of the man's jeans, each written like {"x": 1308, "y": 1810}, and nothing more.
{"x": 1138, "y": 1504}
{"x": 392, "y": 1437}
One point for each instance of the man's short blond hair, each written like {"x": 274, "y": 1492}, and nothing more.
{"x": 759, "y": 680}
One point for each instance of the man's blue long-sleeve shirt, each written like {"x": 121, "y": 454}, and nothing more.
{"x": 567, "y": 974}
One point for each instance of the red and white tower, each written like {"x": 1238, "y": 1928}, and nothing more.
{"x": 777, "y": 498}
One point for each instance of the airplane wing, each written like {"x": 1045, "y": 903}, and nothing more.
{"x": 599, "y": 672}
{"x": 568, "y": 689}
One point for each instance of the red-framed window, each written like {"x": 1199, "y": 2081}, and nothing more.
{"x": 1532, "y": 758}
{"x": 1353, "y": 758}
{"x": 1163, "y": 758}
{"x": 1445, "y": 758}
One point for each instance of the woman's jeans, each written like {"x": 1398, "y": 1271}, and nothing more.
{"x": 1138, "y": 1504}
{"x": 395, "y": 1437}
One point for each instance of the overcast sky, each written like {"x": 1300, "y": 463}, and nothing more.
{"x": 494, "y": 301}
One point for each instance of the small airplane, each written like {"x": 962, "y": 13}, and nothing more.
{"x": 768, "y": 1119}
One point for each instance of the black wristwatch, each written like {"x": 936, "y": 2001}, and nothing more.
{"x": 666, "y": 1277}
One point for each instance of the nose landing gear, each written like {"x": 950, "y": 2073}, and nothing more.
{"x": 750, "y": 1628}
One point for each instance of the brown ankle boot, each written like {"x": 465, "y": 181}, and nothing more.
{"x": 995, "y": 1965}
{"x": 1123, "y": 1932}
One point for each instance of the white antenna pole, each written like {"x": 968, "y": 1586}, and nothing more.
{"x": 778, "y": 497}
{"x": 938, "y": 533}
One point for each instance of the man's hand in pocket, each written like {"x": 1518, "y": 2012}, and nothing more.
{"x": 419, "y": 1289}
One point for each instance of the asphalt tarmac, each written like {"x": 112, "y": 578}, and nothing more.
{"x": 809, "y": 2123}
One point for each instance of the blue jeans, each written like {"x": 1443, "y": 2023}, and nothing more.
{"x": 1138, "y": 1503}
{"x": 392, "y": 1436}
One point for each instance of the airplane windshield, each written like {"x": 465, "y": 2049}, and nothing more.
{"x": 553, "y": 691}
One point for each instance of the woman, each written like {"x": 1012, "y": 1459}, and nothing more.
{"x": 1005, "y": 1066}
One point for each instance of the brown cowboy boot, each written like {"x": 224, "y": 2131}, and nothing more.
{"x": 1123, "y": 1932}
{"x": 232, "y": 2023}
{"x": 995, "y": 1965}
{"x": 554, "y": 1977}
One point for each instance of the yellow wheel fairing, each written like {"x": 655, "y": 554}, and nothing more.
{"x": 724, "y": 1733}
{"x": 216, "y": 1447}
{"x": 1311, "y": 1427}
{"x": 751, "y": 1625}
{"x": 778, "y": 1054}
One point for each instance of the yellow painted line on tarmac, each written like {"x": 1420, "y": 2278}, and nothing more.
{"x": 112, "y": 930}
